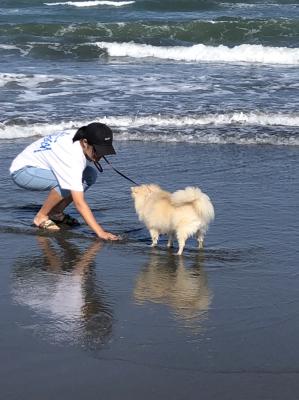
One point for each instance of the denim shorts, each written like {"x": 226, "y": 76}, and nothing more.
{"x": 38, "y": 179}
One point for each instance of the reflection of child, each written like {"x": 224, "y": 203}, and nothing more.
{"x": 61, "y": 288}
{"x": 57, "y": 163}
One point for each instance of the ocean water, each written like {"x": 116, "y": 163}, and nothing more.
{"x": 173, "y": 71}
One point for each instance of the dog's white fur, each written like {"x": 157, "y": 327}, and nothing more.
{"x": 183, "y": 213}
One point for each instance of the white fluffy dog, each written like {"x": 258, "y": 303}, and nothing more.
{"x": 183, "y": 213}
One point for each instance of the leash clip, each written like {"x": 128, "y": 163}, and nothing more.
{"x": 98, "y": 166}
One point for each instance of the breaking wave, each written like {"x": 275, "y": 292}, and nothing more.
{"x": 179, "y": 129}
{"x": 201, "y": 53}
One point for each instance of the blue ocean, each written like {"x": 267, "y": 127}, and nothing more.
{"x": 196, "y": 71}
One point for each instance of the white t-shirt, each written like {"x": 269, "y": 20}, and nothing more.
{"x": 58, "y": 154}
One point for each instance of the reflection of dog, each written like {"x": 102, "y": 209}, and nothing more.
{"x": 166, "y": 280}
{"x": 184, "y": 213}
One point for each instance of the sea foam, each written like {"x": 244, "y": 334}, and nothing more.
{"x": 92, "y": 3}
{"x": 29, "y": 81}
{"x": 199, "y": 52}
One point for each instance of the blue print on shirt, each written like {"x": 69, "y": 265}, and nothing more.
{"x": 47, "y": 142}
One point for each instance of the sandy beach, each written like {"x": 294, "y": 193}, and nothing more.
{"x": 82, "y": 318}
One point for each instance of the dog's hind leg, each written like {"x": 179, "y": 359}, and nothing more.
{"x": 155, "y": 237}
{"x": 200, "y": 238}
{"x": 170, "y": 240}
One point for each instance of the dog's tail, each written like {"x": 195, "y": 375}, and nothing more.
{"x": 199, "y": 200}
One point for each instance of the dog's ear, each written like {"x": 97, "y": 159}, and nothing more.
{"x": 133, "y": 189}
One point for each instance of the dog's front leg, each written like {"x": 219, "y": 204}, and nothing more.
{"x": 155, "y": 237}
{"x": 200, "y": 239}
{"x": 181, "y": 240}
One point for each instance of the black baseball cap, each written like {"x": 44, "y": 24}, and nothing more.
{"x": 100, "y": 136}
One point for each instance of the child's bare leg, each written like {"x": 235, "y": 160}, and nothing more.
{"x": 51, "y": 201}
{"x": 57, "y": 211}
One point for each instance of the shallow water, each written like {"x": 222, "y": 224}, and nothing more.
{"x": 91, "y": 314}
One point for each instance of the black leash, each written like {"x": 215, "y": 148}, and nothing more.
{"x": 100, "y": 169}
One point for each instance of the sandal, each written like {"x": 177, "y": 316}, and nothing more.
{"x": 49, "y": 225}
{"x": 66, "y": 220}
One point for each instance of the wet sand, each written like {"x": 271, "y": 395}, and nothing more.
{"x": 81, "y": 318}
